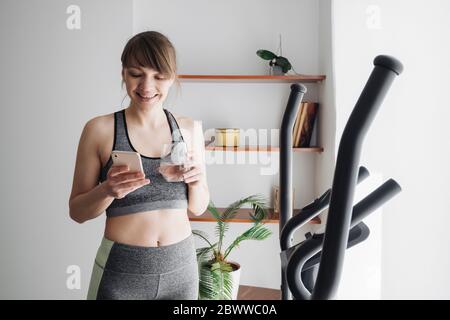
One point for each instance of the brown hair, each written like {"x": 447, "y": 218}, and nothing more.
{"x": 153, "y": 50}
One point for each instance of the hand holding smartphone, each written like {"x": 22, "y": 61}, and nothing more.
{"x": 129, "y": 158}
{"x": 125, "y": 175}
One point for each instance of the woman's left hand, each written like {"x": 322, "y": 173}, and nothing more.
{"x": 195, "y": 173}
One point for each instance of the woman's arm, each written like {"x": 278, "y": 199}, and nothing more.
{"x": 88, "y": 199}
{"x": 196, "y": 178}
{"x": 198, "y": 198}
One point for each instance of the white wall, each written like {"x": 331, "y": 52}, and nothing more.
{"x": 53, "y": 80}
{"x": 222, "y": 37}
{"x": 406, "y": 141}
{"x": 327, "y": 113}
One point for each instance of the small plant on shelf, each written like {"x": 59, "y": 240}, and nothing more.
{"x": 216, "y": 280}
{"x": 277, "y": 63}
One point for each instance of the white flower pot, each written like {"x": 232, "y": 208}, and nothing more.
{"x": 276, "y": 71}
{"x": 235, "y": 277}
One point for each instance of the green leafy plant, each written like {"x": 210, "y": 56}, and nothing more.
{"x": 275, "y": 60}
{"x": 214, "y": 269}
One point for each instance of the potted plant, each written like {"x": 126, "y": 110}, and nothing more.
{"x": 280, "y": 65}
{"x": 219, "y": 278}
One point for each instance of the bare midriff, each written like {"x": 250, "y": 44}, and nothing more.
{"x": 154, "y": 228}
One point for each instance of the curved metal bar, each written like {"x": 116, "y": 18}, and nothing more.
{"x": 308, "y": 249}
{"x": 345, "y": 175}
{"x": 287, "y": 125}
{"x": 309, "y": 212}
{"x": 342, "y": 192}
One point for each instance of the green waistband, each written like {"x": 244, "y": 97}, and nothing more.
{"x": 103, "y": 252}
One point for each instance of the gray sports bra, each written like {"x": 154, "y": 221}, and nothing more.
{"x": 158, "y": 194}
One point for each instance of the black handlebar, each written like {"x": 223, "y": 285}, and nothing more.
{"x": 342, "y": 192}
{"x": 287, "y": 124}
{"x": 344, "y": 181}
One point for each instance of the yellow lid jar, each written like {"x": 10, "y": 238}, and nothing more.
{"x": 227, "y": 137}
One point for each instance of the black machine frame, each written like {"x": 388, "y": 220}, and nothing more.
{"x": 312, "y": 268}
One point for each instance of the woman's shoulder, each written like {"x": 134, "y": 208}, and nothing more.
{"x": 101, "y": 123}
{"x": 99, "y": 129}
{"x": 189, "y": 127}
{"x": 183, "y": 121}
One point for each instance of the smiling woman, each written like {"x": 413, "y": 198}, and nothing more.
{"x": 147, "y": 251}
{"x": 135, "y": 75}
{"x": 156, "y": 52}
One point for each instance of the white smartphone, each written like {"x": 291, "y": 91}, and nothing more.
{"x": 130, "y": 158}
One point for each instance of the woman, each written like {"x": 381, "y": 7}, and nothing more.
{"x": 147, "y": 251}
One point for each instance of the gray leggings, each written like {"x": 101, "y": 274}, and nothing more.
{"x": 123, "y": 271}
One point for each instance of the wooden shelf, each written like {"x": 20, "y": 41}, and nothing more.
{"x": 243, "y": 216}
{"x": 209, "y": 146}
{"x": 261, "y": 149}
{"x": 258, "y": 293}
{"x": 251, "y": 78}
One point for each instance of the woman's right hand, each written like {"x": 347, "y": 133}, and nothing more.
{"x": 120, "y": 181}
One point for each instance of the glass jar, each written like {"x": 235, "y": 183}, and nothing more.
{"x": 227, "y": 137}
